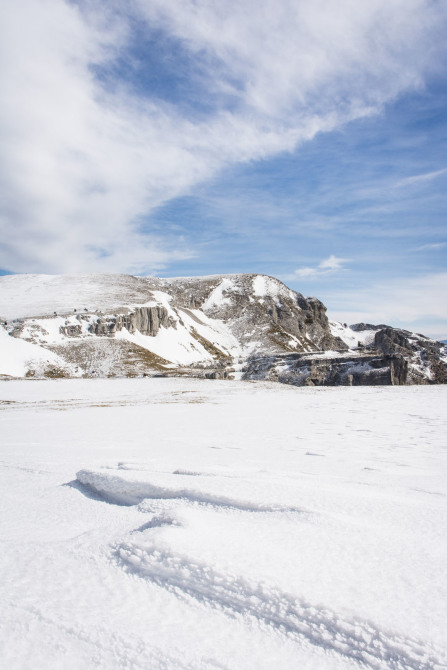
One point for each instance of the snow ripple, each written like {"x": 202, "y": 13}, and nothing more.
{"x": 356, "y": 640}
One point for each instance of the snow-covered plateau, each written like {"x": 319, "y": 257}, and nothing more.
{"x": 179, "y": 523}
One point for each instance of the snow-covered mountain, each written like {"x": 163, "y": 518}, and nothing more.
{"x": 246, "y": 326}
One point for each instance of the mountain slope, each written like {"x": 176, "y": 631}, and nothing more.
{"x": 246, "y": 325}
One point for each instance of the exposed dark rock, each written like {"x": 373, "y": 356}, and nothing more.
{"x": 217, "y": 374}
{"x": 389, "y": 340}
{"x": 303, "y": 370}
{"x": 71, "y": 330}
{"x": 358, "y": 327}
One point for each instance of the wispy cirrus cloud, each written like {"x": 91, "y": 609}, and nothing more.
{"x": 93, "y": 143}
{"x": 435, "y": 246}
{"x": 420, "y": 178}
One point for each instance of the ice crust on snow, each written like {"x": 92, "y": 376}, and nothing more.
{"x": 355, "y": 640}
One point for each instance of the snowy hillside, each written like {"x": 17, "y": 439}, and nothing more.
{"x": 233, "y": 326}
{"x": 185, "y": 524}
{"x": 41, "y": 295}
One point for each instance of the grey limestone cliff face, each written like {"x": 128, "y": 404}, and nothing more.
{"x": 390, "y": 340}
{"x": 305, "y": 370}
{"x": 317, "y": 324}
{"x": 147, "y": 320}
{"x": 406, "y": 344}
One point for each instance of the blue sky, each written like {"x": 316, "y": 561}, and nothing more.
{"x": 306, "y": 140}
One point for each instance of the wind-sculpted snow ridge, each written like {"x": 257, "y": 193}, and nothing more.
{"x": 355, "y": 640}
{"x": 127, "y": 491}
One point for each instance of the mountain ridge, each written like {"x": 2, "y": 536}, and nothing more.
{"x": 248, "y": 326}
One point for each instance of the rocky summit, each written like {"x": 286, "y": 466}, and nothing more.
{"x": 244, "y": 326}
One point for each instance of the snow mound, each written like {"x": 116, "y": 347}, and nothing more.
{"x": 175, "y": 345}
{"x": 132, "y": 487}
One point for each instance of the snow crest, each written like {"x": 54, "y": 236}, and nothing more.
{"x": 131, "y": 490}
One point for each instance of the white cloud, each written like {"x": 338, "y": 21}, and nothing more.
{"x": 83, "y": 165}
{"x": 332, "y": 263}
{"x": 313, "y": 54}
{"x": 329, "y": 265}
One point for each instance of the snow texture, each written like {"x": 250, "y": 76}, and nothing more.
{"x": 222, "y": 525}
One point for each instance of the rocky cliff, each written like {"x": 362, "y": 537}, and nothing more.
{"x": 244, "y": 326}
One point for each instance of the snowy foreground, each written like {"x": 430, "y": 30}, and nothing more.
{"x": 178, "y": 523}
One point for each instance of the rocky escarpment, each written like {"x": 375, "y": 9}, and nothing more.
{"x": 305, "y": 370}
{"x": 233, "y": 326}
{"x": 146, "y": 320}
{"x": 416, "y": 347}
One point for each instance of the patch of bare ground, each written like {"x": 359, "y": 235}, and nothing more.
{"x": 107, "y": 357}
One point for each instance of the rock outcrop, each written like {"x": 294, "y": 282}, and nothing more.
{"x": 147, "y": 320}
{"x": 305, "y": 370}
{"x": 261, "y": 308}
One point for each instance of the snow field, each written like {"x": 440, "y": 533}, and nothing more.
{"x": 36, "y": 295}
{"x": 222, "y": 525}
